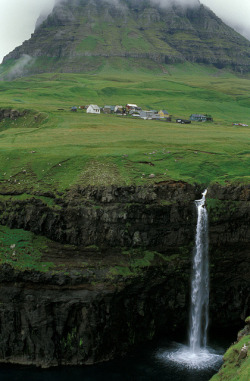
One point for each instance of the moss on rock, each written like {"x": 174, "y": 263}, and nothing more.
{"x": 236, "y": 365}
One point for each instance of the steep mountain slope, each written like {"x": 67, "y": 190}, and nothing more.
{"x": 84, "y": 35}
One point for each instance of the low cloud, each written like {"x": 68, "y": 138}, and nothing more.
{"x": 20, "y": 67}
{"x": 17, "y": 21}
{"x": 245, "y": 31}
{"x": 116, "y": 3}
{"x": 162, "y": 3}
{"x": 234, "y": 13}
{"x": 15, "y": 27}
{"x": 184, "y": 3}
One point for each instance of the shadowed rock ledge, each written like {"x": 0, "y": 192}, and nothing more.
{"x": 121, "y": 268}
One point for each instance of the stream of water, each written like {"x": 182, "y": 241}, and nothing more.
{"x": 200, "y": 281}
{"x": 197, "y": 355}
{"x": 160, "y": 361}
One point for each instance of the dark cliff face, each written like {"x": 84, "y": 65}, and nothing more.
{"x": 110, "y": 216}
{"x": 90, "y": 313}
{"x": 140, "y": 31}
{"x": 53, "y": 324}
{"x": 127, "y": 277}
{"x": 229, "y": 211}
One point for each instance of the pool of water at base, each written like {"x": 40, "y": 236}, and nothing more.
{"x": 151, "y": 362}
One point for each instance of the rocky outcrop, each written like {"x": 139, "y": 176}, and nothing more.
{"x": 229, "y": 235}
{"x": 76, "y": 37}
{"x": 52, "y": 320}
{"x": 11, "y": 114}
{"x": 110, "y": 217}
{"x": 236, "y": 360}
{"x": 126, "y": 279}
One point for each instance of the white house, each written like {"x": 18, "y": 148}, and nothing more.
{"x": 93, "y": 109}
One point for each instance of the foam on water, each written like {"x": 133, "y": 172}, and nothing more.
{"x": 183, "y": 356}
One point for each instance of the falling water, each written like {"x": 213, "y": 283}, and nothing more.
{"x": 197, "y": 355}
{"x": 200, "y": 281}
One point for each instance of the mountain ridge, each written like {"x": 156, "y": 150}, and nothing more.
{"x": 82, "y": 35}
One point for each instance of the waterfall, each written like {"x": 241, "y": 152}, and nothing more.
{"x": 197, "y": 355}
{"x": 200, "y": 281}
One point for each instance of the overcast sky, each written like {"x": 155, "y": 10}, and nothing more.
{"x": 18, "y": 18}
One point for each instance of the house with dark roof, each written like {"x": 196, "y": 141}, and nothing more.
{"x": 163, "y": 114}
{"x": 145, "y": 114}
{"x": 108, "y": 109}
{"x": 201, "y": 118}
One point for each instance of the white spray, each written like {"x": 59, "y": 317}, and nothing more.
{"x": 200, "y": 281}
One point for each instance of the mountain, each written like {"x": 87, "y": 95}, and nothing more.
{"x": 84, "y": 35}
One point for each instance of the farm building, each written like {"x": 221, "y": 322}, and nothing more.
{"x": 163, "y": 114}
{"x": 145, "y": 114}
{"x": 132, "y": 107}
{"x": 120, "y": 109}
{"x": 201, "y": 118}
{"x": 93, "y": 109}
{"x": 108, "y": 109}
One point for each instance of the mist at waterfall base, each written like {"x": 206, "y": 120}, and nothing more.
{"x": 143, "y": 364}
{"x": 160, "y": 360}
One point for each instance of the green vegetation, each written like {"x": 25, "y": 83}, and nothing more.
{"x": 128, "y": 38}
{"x": 134, "y": 261}
{"x": 219, "y": 208}
{"x": 69, "y": 343}
{"x": 23, "y": 250}
{"x": 236, "y": 366}
{"x": 51, "y": 148}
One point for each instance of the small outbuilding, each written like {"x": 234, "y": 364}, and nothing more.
{"x": 120, "y": 109}
{"x": 93, "y": 109}
{"x": 131, "y": 106}
{"x": 201, "y": 118}
{"x": 108, "y": 109}
{"x": 152, "y": 114}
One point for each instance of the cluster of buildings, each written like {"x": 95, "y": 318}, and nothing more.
{"x": 137, "y": 112}
{"x": 129, "y": 109}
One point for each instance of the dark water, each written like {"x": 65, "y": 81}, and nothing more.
{"x": 144, "y": 364}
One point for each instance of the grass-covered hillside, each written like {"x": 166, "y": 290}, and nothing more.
{"x": 52, "y": 148}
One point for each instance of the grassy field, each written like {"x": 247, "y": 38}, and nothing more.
{"x": 51, "y": 148}
{"x": 23, "y": 250}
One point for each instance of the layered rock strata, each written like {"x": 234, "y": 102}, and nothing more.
{"x": 84, "y": 35}
{"x": 126, "y": 279}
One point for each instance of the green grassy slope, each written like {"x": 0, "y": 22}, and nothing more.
{"x": 56, "y": 149}
{"x": 23, "y": 250}
{"x": 236, "y": 366}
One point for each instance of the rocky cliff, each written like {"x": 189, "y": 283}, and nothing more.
{"x": 236, "y": 360}
{"x": 120, "y": 268}
{"x": 84, "y": 35}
